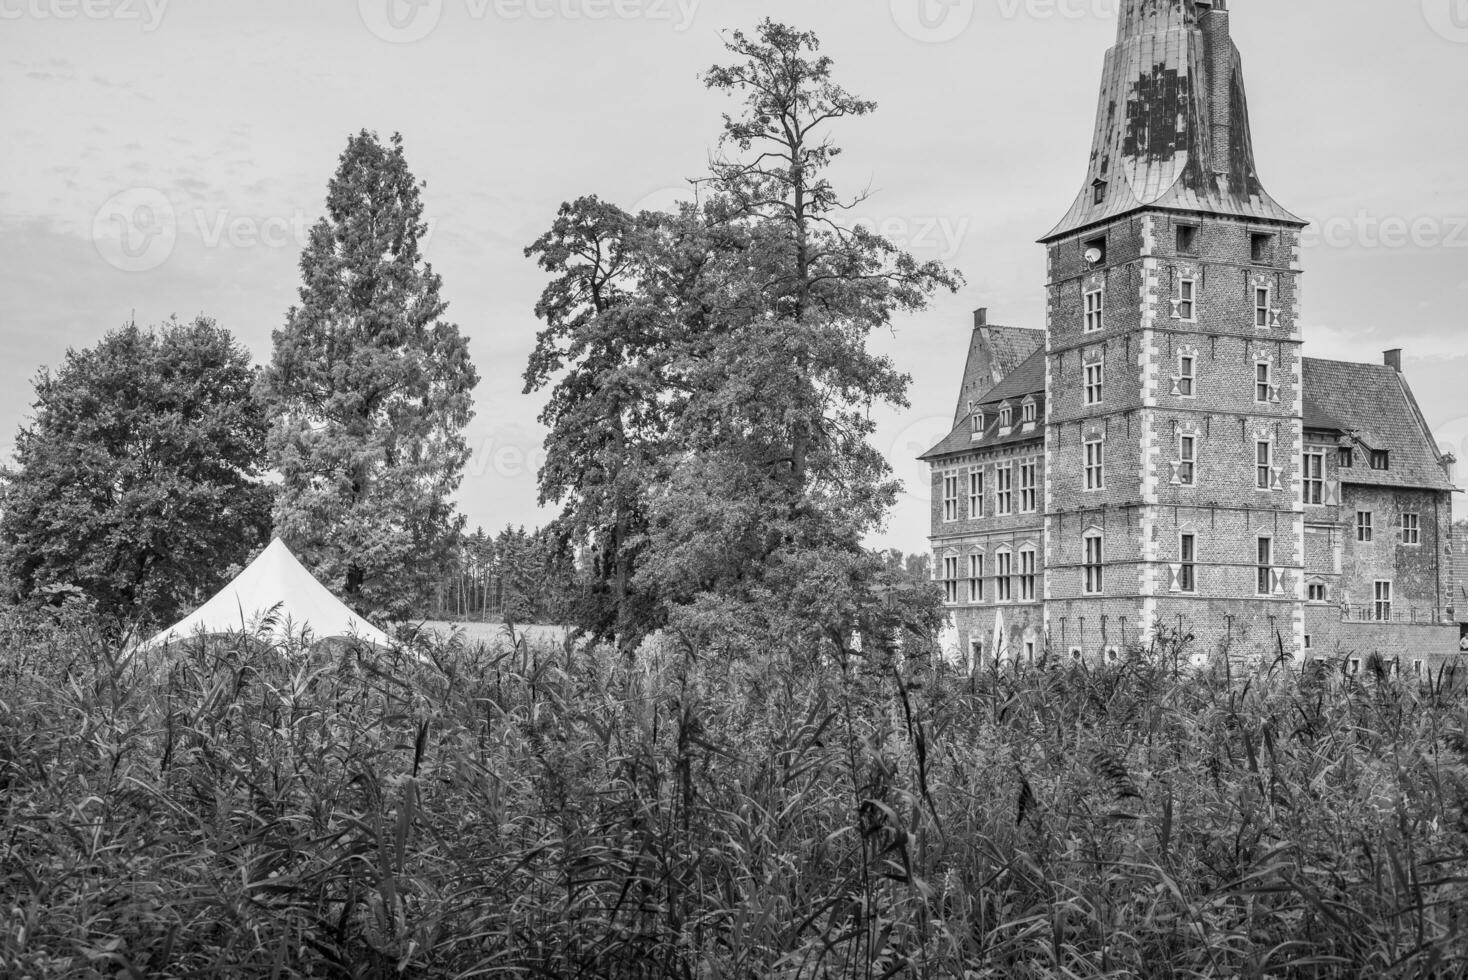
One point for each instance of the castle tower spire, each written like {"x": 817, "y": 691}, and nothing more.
{"x": 1172, "y": 128}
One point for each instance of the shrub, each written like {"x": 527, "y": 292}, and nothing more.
{"x": 232, "y": 809}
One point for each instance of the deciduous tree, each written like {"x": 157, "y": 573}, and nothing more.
{"x": 138, "y": 480}
{"x": 712, "y": 383}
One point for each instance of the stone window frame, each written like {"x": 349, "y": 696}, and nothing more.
{"x": 1004, "y": 574}
{"x": 1316, "y": 582}
{"x": 1267, "y": 382}
{"x": 1093, "y": 313}
{"x": 1028, "y": 580}
{"x": 1265, "y": 564}
{"x": 1365, "y": 527}
{"x": 1093, "y": 577}
{"x": 1004, "y": 489}
{"x": 1264, "y": 311}
{"x": 976, "y": 504}
{"x": 1383, "y": 597}
{"x": 951, "y": 482}
{"x": 1411, "y": 536}
{"x": 1187, "y": 433}
{"x": 1186, "y": 293}
{"x": 1093, "y": 467}
{"x": 950, "y": 584}
{"x": 1190, "y": 355}
{"x": 1094, "y": 360}
{"x": 1186, "y": 565}
{"x": 976, "y": 582}
{"x": 1029, "y": 496}
{"x": 1266, "y": 465}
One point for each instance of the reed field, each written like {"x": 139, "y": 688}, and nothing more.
{"x": 233, "y": 810}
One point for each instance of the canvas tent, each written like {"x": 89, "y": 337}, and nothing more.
{"x": 280, "y": 599}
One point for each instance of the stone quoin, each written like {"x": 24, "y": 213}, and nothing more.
{"x": 1162, "y": 460}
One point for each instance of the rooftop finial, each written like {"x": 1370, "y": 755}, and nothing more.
{"x": 1172, "y": 130}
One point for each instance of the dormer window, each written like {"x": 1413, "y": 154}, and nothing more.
{"x": 1098, "y": 192}
{"x": 978, "y": 421}
{"x": 1031, "y": 412}
{"x": 1381, "y": 459}
{"x": 1006, "y": 417}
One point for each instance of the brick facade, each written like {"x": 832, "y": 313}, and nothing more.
{"x": 1173, "y": 367}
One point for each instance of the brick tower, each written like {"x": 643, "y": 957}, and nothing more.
{"x": 1173, "y": 374}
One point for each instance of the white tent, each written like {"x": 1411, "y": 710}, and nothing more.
{"x": 277, "y": 598}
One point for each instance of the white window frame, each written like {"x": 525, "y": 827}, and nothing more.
{"x": 1004, "y": 575}
{"x": 1313, "y": 477}
{"x": 1264, "y": 390}
{"x": 1029, "y": 488}
{"x": 1187, "y": 375}
{"x": 1264, "y": 565}
{"x": 950, "y": 498}
{"x": 1028, "y": 575}
{"x": 1187, "y": 459}
{"x": 1093, "y": 578}
{"x": 1006, "y": 417}
{"x": 1264, "y": 464}
{"x": 1095, "y": 310}
{"x": 1365, "y": 527}
{"x": 1411, "y": 530}
{"x": 1187, "y": 577}
{"x": 1187, "y": 300}
{"x": 1263, "y": 306}
{"x": 1095, "y": 386}
{"x": 1324, "y": 589}
{"x": 1382, "y": 597}
{"x": 975, "y": 494}
{"x": 1004, "y": 490}
{"x": 976, "y": 578}
{"x": 950, "y": 579}
{"x": 1094, "y": 468}
{"x": 1031, "y": 412}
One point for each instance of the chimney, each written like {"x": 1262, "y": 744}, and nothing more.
{"x": 1218, "y": 49}
{"x": 981, "y": 317}
{"x": 1393, "y": 359}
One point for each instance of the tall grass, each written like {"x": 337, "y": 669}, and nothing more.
{"x": 240, "y": 811}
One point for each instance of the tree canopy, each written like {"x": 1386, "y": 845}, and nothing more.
{"x": 370, "y": 388}
{"x": 138, "y": 481}
{"x": 710, "y": 381}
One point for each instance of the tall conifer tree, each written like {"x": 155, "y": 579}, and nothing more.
{"x": 371, "y": 389}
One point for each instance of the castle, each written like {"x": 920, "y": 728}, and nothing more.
{"x": 1162, "y": 458}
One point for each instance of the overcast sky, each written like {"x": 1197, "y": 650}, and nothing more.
{"x": 166, "y": 158}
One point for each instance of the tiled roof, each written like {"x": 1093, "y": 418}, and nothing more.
{"x": 1172, "y": 127}
{"x": 1318, "y": 418}
{"x": 1027, "y": 379}
{"x": 1373, "y": 402}
{"x": 994, "y": 352}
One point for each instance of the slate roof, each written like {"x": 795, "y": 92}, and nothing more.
{"x": 1373, "y": 402}
{"x": 1172, "y": 126}
{"x": 1026, "y": 380}
{"x": 994, "y": 352}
